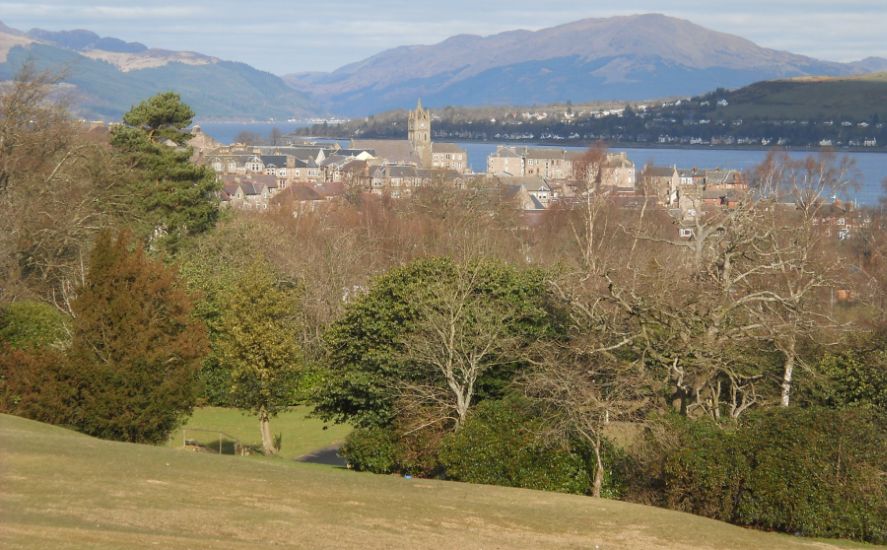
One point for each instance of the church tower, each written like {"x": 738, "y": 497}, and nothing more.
{"x": 420, "y": 135}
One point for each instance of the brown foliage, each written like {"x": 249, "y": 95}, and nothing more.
{"x": 135, "y": 347}
{"x": 58, "y": 188}
{"x": 36, "y": 384}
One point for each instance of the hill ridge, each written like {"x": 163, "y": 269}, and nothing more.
{"x": 630, "y": 57}
{"x": 110, "y": 75}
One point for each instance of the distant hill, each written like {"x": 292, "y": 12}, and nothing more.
{"x": 627, "y": 58}
{"x": 858, "y": 98}
{"x": 107, "y": 76}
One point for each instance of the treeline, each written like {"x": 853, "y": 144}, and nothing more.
{"x": 676, "y": 122}
{"x": 738, "y": 374}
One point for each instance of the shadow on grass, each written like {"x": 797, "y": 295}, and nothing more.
{"x": 224, "y": 447}
{"x": 328, "y": 456}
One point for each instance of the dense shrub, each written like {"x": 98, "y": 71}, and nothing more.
{"x": 705, "y": 471}
{"x": 499, "y": 445}
{"x": 28, "y": 324}
{"x": 857, "y": 375}
{"x": 371, "y": 450}
{"x": 37, "y": 384}
{"x": 815, "y": 472}
{"x": 386, "y": 450}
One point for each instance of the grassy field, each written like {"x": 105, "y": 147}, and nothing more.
{"x": 300, "y": 435}
{"x": 65, "y": 490}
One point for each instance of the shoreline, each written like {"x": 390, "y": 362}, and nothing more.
{"x": 635, "y": 145}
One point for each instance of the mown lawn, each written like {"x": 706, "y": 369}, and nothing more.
{"x": 300, "y": 435}
{"x": 65, "y": 490}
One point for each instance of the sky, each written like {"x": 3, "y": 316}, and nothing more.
{"x": 288, "y": 36}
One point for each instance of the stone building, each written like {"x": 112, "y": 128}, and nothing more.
{"x": 417, "y": 150}
{"x": 419, "y": 135}
{"x": 617, "y": 171}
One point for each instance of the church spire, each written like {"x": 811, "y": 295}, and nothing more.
{"x": 420, "y": 135}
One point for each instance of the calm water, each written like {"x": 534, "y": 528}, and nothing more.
{"x": 872, "y": 166}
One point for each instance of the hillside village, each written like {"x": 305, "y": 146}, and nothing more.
{"x": 305, "y": 175}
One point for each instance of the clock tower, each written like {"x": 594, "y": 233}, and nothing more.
{"x": 420, "y": 135}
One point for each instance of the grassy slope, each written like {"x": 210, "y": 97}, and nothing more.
{"x": 64, "y": 490}
{"x": 808, "y": 98}
{"x": 301, "y": 435}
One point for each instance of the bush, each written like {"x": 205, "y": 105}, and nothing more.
{"x": 36, "y": 384}
{"x": 499, "y": 446}
{"x": 704, "y": 471}
{"x": 385, "y": 450}
{"x": 815, "y": 472}
{"x": 28, "y": 324}
{"x": 371, "y": 450}
{"x": 857, "y": 375}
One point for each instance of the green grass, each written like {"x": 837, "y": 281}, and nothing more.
{"x": 65, "y": 490}
{"x": 300, "y": 435}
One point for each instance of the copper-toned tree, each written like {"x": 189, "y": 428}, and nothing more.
{"x": 135, "y": 348}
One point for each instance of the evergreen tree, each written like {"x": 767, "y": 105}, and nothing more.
{"x": 136, "y": 349}
{"x": 258, "y": 344}
{"x": 171, "y": 197}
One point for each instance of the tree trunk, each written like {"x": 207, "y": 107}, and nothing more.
{"x": 789, "y": 367}
{"x": 267, "y": 439}
{"x": 598, "y": 481}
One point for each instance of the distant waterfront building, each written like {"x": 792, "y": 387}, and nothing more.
{"x": 616, "y": 171}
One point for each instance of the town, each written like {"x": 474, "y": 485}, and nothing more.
{"x": 305, "y": 175}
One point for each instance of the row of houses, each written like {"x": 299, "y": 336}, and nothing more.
{"x": 690, "y": 190}
{"x": 393, "y": 167}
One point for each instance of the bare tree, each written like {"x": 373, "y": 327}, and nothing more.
{"x": 59, "y": 186}
{"x": 245, "y": 137}
{"x": 583, "y": 388}
{"x": 275, "y": 137}
{"x": 462, "y": 333}
{"x": 796, "y": 268}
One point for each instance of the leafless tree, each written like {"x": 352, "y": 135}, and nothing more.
{"x": 462, "y": 333}
{"x": 582, "y": 388}
{"x": 59, "y": 186}
{"x": 275, "y": 137}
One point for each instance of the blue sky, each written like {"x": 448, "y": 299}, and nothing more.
{"x": 285, "y": 36}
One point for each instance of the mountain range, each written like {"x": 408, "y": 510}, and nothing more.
{"x": 106, "y": 76}
{"x": 619, "y": 58}
{"x": 626, "y": 58}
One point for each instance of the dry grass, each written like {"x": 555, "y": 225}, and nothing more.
{"x": 64, "y": 490}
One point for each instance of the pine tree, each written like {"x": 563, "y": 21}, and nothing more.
{"x": 171, "y": 197}
{"x": 136, "y": 349}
